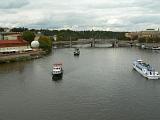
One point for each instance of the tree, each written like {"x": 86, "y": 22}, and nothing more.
{"x": 28, "y": 36}
{"x": 45, "y": 43}
{"x": 20, "y": 29}
{"x": 142, "y": 40}
{"x": 1, "y": 29}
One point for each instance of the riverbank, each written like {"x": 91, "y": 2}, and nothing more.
{"x": 22, "y": 56}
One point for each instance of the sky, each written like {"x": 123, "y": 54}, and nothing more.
{"x": 108, "y": 15}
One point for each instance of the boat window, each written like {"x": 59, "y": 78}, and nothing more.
{"x": 138, "y": 67}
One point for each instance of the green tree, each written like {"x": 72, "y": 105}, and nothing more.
{"x": 142, "y": 40}
{"x": 28, "y": 36}
{"x": 20, "y": 29}
{"x": 45, "y": 43}
{"x": 1, "y": 29}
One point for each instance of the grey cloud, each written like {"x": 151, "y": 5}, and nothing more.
{"x": 146, "y": 19}
{"x": 75, "y": 14}
{"x": 12, "y": 4}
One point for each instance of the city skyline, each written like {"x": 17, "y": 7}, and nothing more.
{"x": 124, "y": 15}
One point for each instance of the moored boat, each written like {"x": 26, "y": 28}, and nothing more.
{"x": 145, "y": 69}
{"x": 57, "y": 71}
{"x": 156, "y": 48}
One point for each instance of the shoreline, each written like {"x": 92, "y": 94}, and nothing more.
{"x": 22, "y": 56}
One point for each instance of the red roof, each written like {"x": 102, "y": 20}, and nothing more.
{"x": 13, "y": 43}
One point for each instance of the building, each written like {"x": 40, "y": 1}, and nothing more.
{"x": 131, "y": 35}
{"x": 12, "y": 43}
{"x": 148, "y": 33}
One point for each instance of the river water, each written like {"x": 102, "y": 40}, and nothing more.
{"x": 100, "y": 84}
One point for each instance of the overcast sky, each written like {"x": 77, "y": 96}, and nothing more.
{"x": 115, "y": 15}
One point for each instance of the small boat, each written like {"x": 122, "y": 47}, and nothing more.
{"x": 57, "y": 71}
{"x": 145, "y": 69}
{"x": 76, "y": 52}
{"x": 143, "y": 46}
{"x": 156, "y": 48}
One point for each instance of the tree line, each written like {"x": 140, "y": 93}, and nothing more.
{"x": 67, "y": 35}
{"x": 75, "y": 35}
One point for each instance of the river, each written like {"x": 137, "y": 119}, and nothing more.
{"x": 100, "y": 84}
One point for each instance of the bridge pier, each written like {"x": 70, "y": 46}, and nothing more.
{"x": 93, "y": 42}
{"x": 70, "y": 43}
{"x": 131, "y": 44}
{"x": 114, "y": 44}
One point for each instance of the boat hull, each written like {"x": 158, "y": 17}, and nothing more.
{"x": 57, "y": 76}
{"x": 145, "y": 75}
{"x": 76, "y": 53}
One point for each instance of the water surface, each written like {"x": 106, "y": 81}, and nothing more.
{"x": 100, "y": 84}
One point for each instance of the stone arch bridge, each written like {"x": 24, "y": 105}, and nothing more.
{"x": 93, "y": 42}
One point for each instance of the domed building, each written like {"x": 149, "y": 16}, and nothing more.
{"x": 35, "y": 44}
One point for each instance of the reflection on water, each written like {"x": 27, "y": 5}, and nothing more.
{"x": 57, "y": 81}
{"x": 10, "y": 67}
{"x": 57, "y": 78}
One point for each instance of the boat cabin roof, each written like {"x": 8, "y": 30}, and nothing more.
{"x": 139, "y": 60}
{"x": 57, "y": 65}
{"x": 147, "y": 66}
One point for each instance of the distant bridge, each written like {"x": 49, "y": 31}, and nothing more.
{"x": 93, "y": 42}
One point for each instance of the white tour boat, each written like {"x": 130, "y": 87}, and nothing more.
{"x": 145, "y": 69}
{"x": 57, "y": 70}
